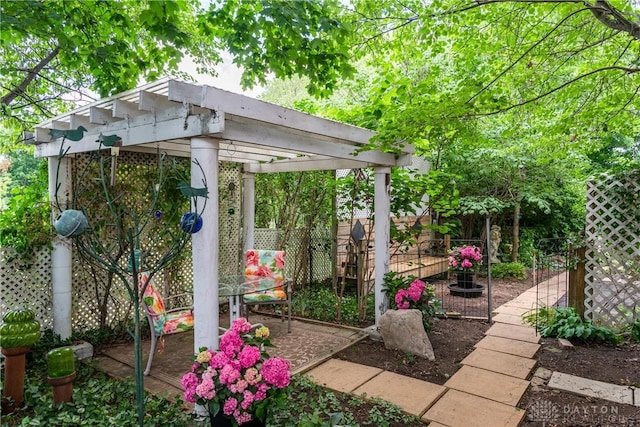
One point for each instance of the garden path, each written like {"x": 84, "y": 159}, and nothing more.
{"x": 483, "y": 392}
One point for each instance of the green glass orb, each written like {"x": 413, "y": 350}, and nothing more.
{"x": 60, "y": 362}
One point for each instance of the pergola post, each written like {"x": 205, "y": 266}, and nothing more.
{"x": 248, "y": 211}
{"x": 61, "y": 253}
{"x": 205, "y": 248}
{"x": 382, "y": 220}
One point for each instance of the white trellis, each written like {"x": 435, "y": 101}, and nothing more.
{"x": 612, "y": 288}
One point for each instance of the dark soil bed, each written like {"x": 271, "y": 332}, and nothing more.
{"x": 452, "y": 341}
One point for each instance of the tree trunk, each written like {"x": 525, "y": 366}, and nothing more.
{"x": 32, "y": 74}
{"x": 515, "y": 239}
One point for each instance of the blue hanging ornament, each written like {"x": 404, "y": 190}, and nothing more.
{"x": 71, "y": 223}
{"x": 191, "y": 222}
{"x": 157, "y": 214}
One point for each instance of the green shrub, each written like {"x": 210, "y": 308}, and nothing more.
{"x": 567, "y": 323}
{"x": 509, "y": 270}
{"x": 321, "y": 303}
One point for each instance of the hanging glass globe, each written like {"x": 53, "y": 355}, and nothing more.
{"x": 191, "y": 222}
{"x": 71, "y": 223}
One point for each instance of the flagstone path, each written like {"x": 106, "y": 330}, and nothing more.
{"x": 483, "y": 392}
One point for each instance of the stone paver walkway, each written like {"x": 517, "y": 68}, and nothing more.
{"x": 483, "y": 392}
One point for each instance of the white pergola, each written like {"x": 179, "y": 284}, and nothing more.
{"x": 209, "y": 124}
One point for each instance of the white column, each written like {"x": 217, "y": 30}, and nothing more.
{"x": 205, "y": 246}
{"x": 381, "y": 208}
{"x": 248, "y": 211}
{"x": 61, "y": 253}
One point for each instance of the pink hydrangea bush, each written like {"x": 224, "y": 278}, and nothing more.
{"x": 410, "y": 293}
{"x": 239, "y": 379}
{"x": 465, "y": 258}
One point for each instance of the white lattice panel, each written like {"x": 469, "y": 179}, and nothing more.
{"x": 612, "y": 288}
{"x": 26, "y": 285}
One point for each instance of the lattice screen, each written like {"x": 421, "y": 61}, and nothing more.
{"x": 300, "y": 248}
{"x": 29, "y": 285}
{"x": 612, "y": 289}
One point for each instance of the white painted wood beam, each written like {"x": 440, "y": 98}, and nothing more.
{"x": 279, "y": 138}
{"x": 125, "y": 109}
{"x": 243, "y": 106}
{"x": 76, "y": 120}
{"x": 382, "y": 221}
{"x": 305, "y": 164}
{"x": 153, "y": 102}
{"x": 141, "y": 130}
{"x": 102, "y": 116}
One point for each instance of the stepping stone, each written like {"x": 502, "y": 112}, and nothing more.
{"x": 491, "y": 385}
{"x": 412, "y": 395}
{"x": 341, "y": 375}
{"x": 458, "y": 409}
{"x": 587, "y": 387}
{"x": 514, "y": 332}
{"x": 511, "y": 310}
{"x": 502, "y": 363}
{"x": 636, "y": 396}
{"x": 506, "y": 345}
{"x": 508, "y": 319}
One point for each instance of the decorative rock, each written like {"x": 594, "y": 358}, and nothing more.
{"x": 403, "y": 330}
{"x": 565, "y": 344}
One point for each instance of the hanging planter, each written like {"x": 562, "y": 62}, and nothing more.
{"x": 71, "y": 223}
{"x": 191, "y": 222}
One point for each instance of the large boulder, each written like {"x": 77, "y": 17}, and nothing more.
{"x": 403, "y": 330}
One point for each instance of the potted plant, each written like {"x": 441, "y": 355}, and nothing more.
{"x": 239, "y": 383}
{"x": 465, "y": 260}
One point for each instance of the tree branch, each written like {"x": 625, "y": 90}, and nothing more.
{"x": 555, "y": 89}
{"x": 614, "y": 18}
{"x": 22, "y": 87}
{"x": 525, "y": 53}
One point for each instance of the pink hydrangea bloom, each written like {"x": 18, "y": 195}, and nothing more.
{"x": 242, "y": 417}
{"x": 466, "y": 263}
{"x": 241, "y": 325}
{"x": 231, "y": 343}
{"x": 229, "y": 375}
{"x": 247, "y": 399}
{"x": 230, "y": 405}
{"x": 252, "y": 376}
{"x": 276, "y": 372}
{"x": 401, "y": 299}
{"x": 249, "y": 356}
{"x": 219, "y": 360}
{"x": 206, "y": 389}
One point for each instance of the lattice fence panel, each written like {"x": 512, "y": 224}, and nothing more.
{"x": 612, "y": 288}
{"x": 27, "y": 284}
{"x": 300, "y": 248}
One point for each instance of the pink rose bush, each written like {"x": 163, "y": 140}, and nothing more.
{"x": 465, "y": 258}
{"x": 239, "y": 379}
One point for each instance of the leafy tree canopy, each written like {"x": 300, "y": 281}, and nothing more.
{"x": 56, "y": 51}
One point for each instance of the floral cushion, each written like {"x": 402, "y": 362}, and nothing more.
{"x": 163, "y": 322}
{"x": 262, "y": 267}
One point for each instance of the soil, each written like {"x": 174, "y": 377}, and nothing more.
{"x": 453, "y": 340}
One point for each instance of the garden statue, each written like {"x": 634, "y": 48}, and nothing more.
{"x": 495, "y": 238}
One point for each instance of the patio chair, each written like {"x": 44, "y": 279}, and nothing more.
{"x": 262, "y": 267}
{"x": 163, "y": 321}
